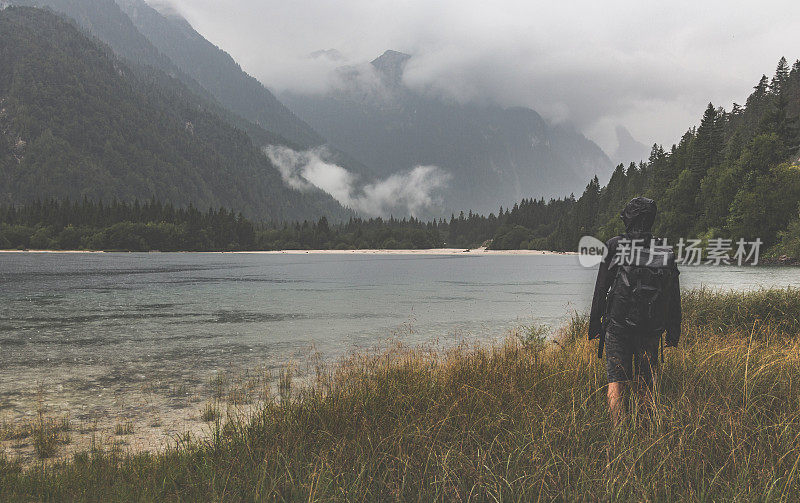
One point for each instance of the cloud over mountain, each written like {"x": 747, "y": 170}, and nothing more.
{"x": 409, "y": 192}
{"x": 649, "y": 66}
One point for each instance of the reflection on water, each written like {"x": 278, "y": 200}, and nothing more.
{"x": 97, "y": 330}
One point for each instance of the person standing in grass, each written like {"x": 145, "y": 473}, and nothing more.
{"x": 636, "y": 300}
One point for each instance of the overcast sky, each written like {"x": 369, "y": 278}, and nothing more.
{"x": 650, "y": 66}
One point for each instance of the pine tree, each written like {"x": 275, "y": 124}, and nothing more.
{"x": 778, "y": 84}
{"x": 707, "y": 142}
{"x": 756, "y": 103}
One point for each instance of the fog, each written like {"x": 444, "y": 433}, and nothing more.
{"x": 649, "y": 66}
{"x": 408, "y": 193}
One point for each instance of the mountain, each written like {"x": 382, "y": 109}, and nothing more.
{"x": 217, "y": 72}
{"x": 75, "y": 121}
{"x": 489, "y": 159}
{"x": 494, "y": 155}
{"x": 628, "y": 148}
{"x": 237, "y": 97}
{"x": 184, "y": 55}
{"x": 106, "y": 21}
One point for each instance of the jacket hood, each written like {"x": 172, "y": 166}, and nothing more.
{"x": 639, "y": 215}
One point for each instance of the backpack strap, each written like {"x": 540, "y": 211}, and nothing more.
{"x": 600, "y": 344}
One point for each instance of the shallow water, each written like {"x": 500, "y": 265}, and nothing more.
{"x": 92, "y": 332}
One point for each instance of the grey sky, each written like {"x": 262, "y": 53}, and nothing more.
{"x": 650, "y": 66}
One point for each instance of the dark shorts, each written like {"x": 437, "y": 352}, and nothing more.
{"x": 631, "y": 355}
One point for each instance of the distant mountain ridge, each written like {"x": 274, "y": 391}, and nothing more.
{"x": 495, "y": 155}
{"x": 390, "y": 65}
{"x": 628, "y": 148}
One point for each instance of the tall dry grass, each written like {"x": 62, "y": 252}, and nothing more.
{"x": 518, "y": 421}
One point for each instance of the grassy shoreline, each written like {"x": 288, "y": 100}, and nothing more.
{"x": 523, "y": 420}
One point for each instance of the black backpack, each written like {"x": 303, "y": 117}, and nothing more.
{"x": 639, "y": 296}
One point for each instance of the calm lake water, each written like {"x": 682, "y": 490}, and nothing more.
{"x": 92, "y": 327}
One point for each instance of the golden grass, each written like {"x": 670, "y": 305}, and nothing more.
{"x": 522, "y": 421}
{"x": 124, "y": 428}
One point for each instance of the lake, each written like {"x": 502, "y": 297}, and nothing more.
{"x": 92, "y": 332}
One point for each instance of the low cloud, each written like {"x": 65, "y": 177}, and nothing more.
{"x": 407, "y": 193}
{"x": 649, "y": 66}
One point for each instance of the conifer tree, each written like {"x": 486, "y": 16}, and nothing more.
{"x": 778, "y": 83}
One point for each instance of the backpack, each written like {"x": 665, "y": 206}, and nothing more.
{"x": 639, "y": 296}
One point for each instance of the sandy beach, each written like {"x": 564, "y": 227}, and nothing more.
{"x": 50, "y": 251}
{"x": 430, "y": 251}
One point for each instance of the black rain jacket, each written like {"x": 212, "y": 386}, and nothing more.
{"x": 638, "y": 216}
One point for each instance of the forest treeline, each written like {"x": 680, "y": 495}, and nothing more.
{"x": 735, "y": 175}
{"x": 65, "y": 225}
{"x": 153, "y": 225}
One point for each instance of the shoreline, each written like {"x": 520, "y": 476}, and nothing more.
{"x": 475, "y": 252}
{"x": 482, "y": 251}
{"x": 427, "y": 251}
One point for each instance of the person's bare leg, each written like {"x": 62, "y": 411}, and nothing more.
{"x": 615, "y": 401}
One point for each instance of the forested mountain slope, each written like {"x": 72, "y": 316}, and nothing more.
{"x": 217, "y": 72}
{"x": 77, "y": 121}
{"x": 226, "y": 90}
{"x": 139, "y": 33}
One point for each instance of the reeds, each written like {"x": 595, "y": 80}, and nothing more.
{"x": 45, "y": 434}
{"x": 520, "y": 421}
{"x": 124, "y": 428}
